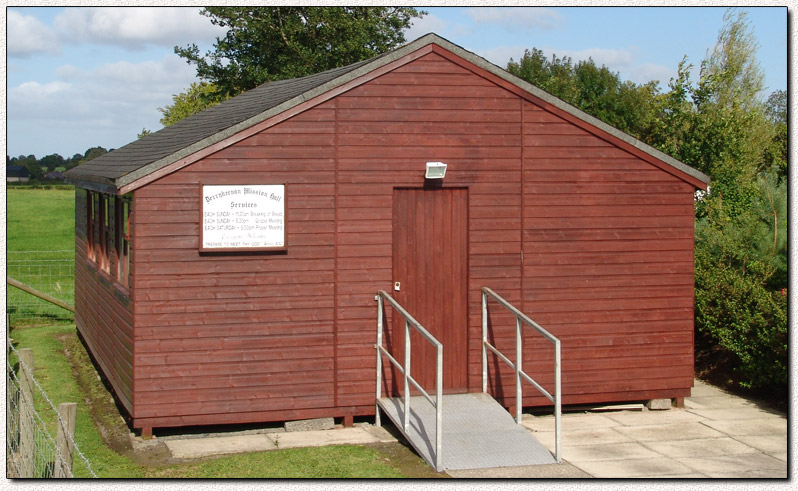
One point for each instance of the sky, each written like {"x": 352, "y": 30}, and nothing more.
{"x": 80, "y": 77}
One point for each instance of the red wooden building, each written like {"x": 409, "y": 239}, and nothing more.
{"x": 196, "y": 319}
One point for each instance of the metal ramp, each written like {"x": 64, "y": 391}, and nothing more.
{"x": 478, "y": 432}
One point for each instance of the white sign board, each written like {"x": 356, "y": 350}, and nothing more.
{"x": 242, "y": 217}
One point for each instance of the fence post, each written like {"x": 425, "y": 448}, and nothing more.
{"x": 27, "y": 442}
{"x": 12, "y": 405}
{"x": 67, "y": 414}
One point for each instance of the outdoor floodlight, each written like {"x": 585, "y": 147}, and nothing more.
{"x": 435, "y": 170}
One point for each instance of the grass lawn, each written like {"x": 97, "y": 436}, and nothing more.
{"x": 40, "y": 220}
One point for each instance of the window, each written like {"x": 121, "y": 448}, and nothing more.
{"x": 108, "y": 234}
{"x": 122, "y": 229}
{"x": 90, "y": 226}
{"x": 104, "y": 259}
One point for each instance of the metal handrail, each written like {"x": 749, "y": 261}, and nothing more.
{"x": 520, "y": 319}
{"x": 405, "y": 370}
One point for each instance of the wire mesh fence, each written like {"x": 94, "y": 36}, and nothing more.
{"x": 50, "y": 272}
{"x": 31, "y": 420}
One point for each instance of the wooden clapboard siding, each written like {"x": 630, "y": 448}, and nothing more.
{"x": 585, "y": 233}
{"x": 103, "y": 312}
{"x": 427, "y": 110}
{"x": 608, "y": 251}
{"x": 239, "y": 335}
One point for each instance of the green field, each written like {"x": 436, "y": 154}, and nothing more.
{"x": 40, "y": 219}
{"x": 41, "y": 252}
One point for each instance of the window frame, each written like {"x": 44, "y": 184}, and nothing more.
{"x": 123, "y": 214}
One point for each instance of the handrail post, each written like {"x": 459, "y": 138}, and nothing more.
{"x": 557, "y": 403}
{"x": 439, "y": 408}
{"x": 407, "y": 375}
{"x": 382, "y": 297}
{"x": 484, "y": 340}
{"x": 519, "y": 373}
{"x": 380, "y": 313}
{"x": 519, "y": 356}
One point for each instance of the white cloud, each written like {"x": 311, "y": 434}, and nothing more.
{"x": 135, "y": 27}
{"x": 27, "y": 36}
{"x": 617, "y": 60}
{"x": 649, "y": 71}
{"x": 425, "y": 25}
{"x": 613, "y": 58}
{"x": 516, "y": 17}
{"x": 500, "y": 55}
{"x": 107, "y": 105}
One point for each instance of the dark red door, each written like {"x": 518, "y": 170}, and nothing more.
{"x": 430, "y": 254}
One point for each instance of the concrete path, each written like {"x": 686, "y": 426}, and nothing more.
{"x": 716, "y": 435}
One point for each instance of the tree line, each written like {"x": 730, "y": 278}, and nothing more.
{"x": 39, "y": 168}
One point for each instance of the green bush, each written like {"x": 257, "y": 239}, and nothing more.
{"x": 738, "y": 315}
{"x": 741, "y": 288}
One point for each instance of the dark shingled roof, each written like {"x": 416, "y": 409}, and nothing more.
{"x": 107, "y": 168}
{"x": 137, "y": 160}
{"x": 17, "y": 171}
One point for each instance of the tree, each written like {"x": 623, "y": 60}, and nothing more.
{"x": 741, "y": 281}
{"x": 32, "y": 164}
{"x": 93, "y": 153}
{"x": 52, "y": 161}
{"x": 776, "y": 107}
{"x": 595, "y": 90}
{"x": 718, "y": 125}
{"x": 272, "y": 43}
{"x": 775, "y": 155}
{"x": 721, "y": 126}
{"x": 197, "y": 97}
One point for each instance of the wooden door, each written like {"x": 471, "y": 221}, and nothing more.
{"x": 430, "y": 256}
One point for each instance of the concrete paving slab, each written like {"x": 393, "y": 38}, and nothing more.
{"x": 701, "y": 448}
{"x": 639, "y": 468}
{"x": 667, "y": 432}
{"x": 701, "y": 388}
{"x": 579, "y": 454}
{"x": 582, "y": 422}
{"x": 544, "y": 471}
{"x": 754, "y": 427}
{"x": 716, "y": 402}
{"x": 747, "y": 465}
{"x": 594, "y": 437}
{"x": 570, "y": 422}
{"x": 734, "y": 414}
{"x": 671, "y": 416}
{"x": 755, "y": 474}
{"x": 194, "y": 448}
{"x": 320, "y": 438}
{"x": 770, "y": 444}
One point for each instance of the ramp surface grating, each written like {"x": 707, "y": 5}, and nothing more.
{"x": 477, "y": 433}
